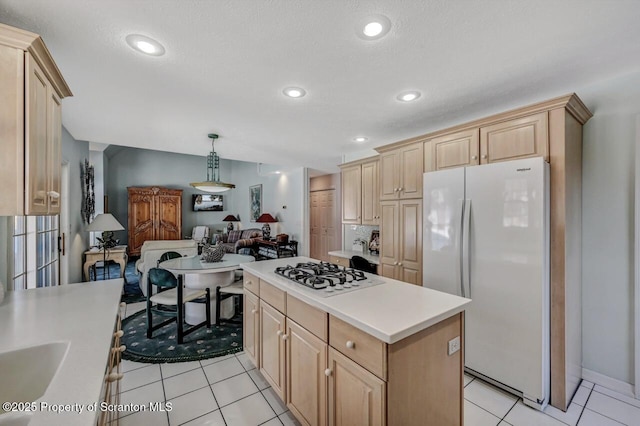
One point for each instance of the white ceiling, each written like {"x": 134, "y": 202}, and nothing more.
{"x": 227, "y": 62}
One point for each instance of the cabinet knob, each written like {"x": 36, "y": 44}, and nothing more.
{"x": 399, "y": 263}
{"x": 351, "y": 344}
{"x": 400, "y": 189}
{"x": 248, "y": 282}
{"x": 285, "y": 337}
{"x": 112, "y": 377}
{"x": 279, "y": 332}
{"x": 484, "y": 157}
{"x": 328, "y": 372}
{"x": 253, "y": 311}
{"x": 395, "y": 263}
{"x": 118, "y": 333}
{"x": 474, "y": 157}
{"x": 53, "y": 194}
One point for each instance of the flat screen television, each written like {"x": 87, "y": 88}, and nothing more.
{"x": 207, "y": 203}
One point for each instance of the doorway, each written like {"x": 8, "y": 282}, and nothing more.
{"x": 324, "y": 229}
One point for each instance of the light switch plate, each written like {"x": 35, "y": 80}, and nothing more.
{"x": 454, "y": 345}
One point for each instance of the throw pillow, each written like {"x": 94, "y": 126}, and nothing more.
{"x": 212, "y": 253}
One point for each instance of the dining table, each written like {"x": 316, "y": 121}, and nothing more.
{"x": 195, "y": 273}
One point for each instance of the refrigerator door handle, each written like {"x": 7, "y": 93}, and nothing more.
{"x": 458, "y": 247}
{"x": 466, "y": 261}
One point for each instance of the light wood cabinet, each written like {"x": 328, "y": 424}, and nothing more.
{"x": 361, "y": 192}
{"x": 401, "y": 172}
{"x": 306, "y": 389}
{"x": 30, "y": 125}
{"x": 401, "y": 240}
{"x": 356, "y": 396}
{"x": 503, "y": 141}
{"x": 520, "y": 138}
{"x": 154, "y": 214}
{"x": 455, "y": 150}
{"x": 272, "y": 347}
{"x": 251, "y": 327}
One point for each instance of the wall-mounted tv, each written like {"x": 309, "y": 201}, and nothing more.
{"x": 207, "y": 203}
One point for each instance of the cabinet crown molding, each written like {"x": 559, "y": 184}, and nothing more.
{"x": 33, "y": 43}
{"x": 360, "y": 161}
{"x": 570, "y": 102}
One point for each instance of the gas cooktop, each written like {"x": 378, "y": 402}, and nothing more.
{"x": 327, "y": 279}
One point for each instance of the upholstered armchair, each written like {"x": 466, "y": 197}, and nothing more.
{"x": 236, "y": 240}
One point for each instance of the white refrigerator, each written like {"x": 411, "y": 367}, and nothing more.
{"x": 486, "y": 237}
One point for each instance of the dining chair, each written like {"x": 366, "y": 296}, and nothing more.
{"x": 235, "y": 290}
{"x": 168, "y": 255}
{"x": 172, "y": 293}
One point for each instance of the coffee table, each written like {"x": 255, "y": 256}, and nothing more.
{"x": 195, "y": 273}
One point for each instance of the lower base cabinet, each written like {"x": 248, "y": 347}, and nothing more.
{"x": 356, "y": 397}
{"x": 330, "y": 373}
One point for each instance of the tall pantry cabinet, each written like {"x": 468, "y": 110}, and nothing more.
{"x": 32, "y": 88}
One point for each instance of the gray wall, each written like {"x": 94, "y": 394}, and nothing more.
{"x": 609, "y": 141}
{"x": 140, "y": 167}
{"x": 75, "y": 152}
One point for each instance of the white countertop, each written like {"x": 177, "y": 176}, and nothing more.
{"x": 83, "y": 314}
{"x": 348, "y": 254}
{"x": 390, "y": 311}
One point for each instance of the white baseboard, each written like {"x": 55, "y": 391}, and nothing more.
{"x": 609, "y": 382}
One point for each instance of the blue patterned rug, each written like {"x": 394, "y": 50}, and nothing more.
{"x": 203, "y": 343}
{"x": 132, "y": 292}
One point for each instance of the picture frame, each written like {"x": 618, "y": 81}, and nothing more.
{"x": 255, "y": 202}
{"x": 374, "y": 242}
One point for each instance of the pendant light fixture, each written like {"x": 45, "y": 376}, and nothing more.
{"x": 213, "y": 183}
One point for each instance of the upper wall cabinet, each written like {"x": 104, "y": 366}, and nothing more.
{"x": 360, "y": 192}
{"x": 401, "y": 172}
{"x": 503, "y": 141}
{"x": 30, "y": 125}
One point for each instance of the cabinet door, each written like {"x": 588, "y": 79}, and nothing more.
{"x": 251, "y": 327}
{"x": 455, "y": 150}
{"x": 169, "y": 223}
{"x": 315, "y": 226}
{"x": 272, "y": 347}
{"x": 389, "y": 175}
{"x": 36, "y": 180}
{"x": 54, "y": 160}
{"x": 142, "y": 211}
{"x": 306, "y": 379}
{"x": 356, "y": 397}
{"x": 514, "y": 139}
{"x": 389, "y": 238}
{"x": 370, "y": 194}
{"x": 410, "y": 240}
{"x": 351, "y": 194}
{"x": 411, "y": 170}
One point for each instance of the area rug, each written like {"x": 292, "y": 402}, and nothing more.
{"x": 202, "y": 344}
{"x": 132, "y": 292}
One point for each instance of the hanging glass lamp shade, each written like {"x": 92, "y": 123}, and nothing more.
{"x": 213, "y": 183}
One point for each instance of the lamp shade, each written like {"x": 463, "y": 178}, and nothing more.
{"x": 104, "y": 222}
{"x": 266, "y": 218}
{"x": 230, "y": 218}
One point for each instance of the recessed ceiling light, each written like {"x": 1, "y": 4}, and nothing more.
{"x": 294, "y": 92}
{"x": 145, "y": 45}
{"x": 360, "y": 139}
{"x": 408, "y": 96}
{"x": 373, "y": 27}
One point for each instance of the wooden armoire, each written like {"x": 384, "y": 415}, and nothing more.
{"x": 154, "y": 214}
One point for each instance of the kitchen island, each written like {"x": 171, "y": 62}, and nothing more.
{"x": 77, "y": 317}
{"x": 389, "y": 353}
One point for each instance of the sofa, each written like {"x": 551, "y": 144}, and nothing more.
{"x": 233, "y": 241}
{"x": 152, "y": 250}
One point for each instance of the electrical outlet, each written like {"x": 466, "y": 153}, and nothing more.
{"x": 454, "y": 345}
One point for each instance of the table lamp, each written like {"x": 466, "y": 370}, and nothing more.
{"x": 266, "y": 218}
{"x": 106, "y": 224}
{"x": 230, "y": 218}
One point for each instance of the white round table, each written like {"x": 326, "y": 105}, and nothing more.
{"x": 199, "y": 274}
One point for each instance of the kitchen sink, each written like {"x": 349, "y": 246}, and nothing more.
{"x": 26, "y": 374}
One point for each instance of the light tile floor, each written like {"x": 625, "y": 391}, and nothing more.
{"x": 230, "y": 391}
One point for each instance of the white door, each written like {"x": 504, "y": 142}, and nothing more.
{"x": 507, "y": 324}
{"x": 442, "y": 218}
